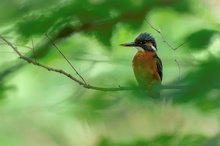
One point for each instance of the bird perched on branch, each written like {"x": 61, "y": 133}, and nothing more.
{"x": 147, "y": 66}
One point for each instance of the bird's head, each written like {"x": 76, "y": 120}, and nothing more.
{"x": 144, "y": 42}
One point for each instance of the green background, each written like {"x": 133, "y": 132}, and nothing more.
{"x": 40, "y": 107}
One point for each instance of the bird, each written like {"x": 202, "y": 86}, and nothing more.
{"x": 146, "y": 64}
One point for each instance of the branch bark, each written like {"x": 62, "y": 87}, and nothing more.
{"x": 173, "y": 49}
{"x": 82, "y": 83}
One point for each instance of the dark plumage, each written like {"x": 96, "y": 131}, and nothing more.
{"x": 145, "y": 37}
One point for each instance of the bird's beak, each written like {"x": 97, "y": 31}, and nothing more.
{"x": 131, "y": 44}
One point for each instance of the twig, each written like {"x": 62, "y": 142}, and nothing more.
{"x": 173, "y": 49}
{"x": 85, "y": 85}
{"x": 180, "y": 45}
{"x": 39, "y": 64}
{"x": 66, "y": 59}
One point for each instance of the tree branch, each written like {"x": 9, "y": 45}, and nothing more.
{"x": 82, "y": 83}
{"x": 39, "y": 64}
{"x": 173, "y": 49}
{"x": 66, "y": 59}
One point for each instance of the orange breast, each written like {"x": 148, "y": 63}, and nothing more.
{"x": 145, "y": 69}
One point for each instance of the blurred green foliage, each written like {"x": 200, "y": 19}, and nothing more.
{"x": 202, "y": 85}
{"x": 94, "y": 17}
{"x": 161, "y": 141}
{"x": 38, "y": 107}
{"x": 200, "y": 39}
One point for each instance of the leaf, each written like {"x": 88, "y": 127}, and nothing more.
{"x": 200, "y": 40}
{"x": 104, "y": 33}
{"x": 201, "y": 86}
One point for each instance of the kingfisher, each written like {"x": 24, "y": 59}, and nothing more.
{"x": 146, "y": 64}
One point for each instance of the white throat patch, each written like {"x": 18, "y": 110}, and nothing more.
{"x": 140, "y": 49}
{"x": 155, "y": 50}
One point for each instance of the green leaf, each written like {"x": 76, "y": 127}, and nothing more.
{"x": 103, "y": 33}
{"x": 201, "y": 86}
{"x": 199, "y": 40}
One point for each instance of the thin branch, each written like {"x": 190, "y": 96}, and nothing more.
{"x": 66, "y": 59}
{"x": 39, "y": 64}
{"x": 173, "y": 49}
{"x": 180, "y": 45}
{"x": 120, "y": 88}
{"x": 85, "y": 85}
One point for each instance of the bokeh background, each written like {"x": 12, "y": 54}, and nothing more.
{"x": 40, "y": 107}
